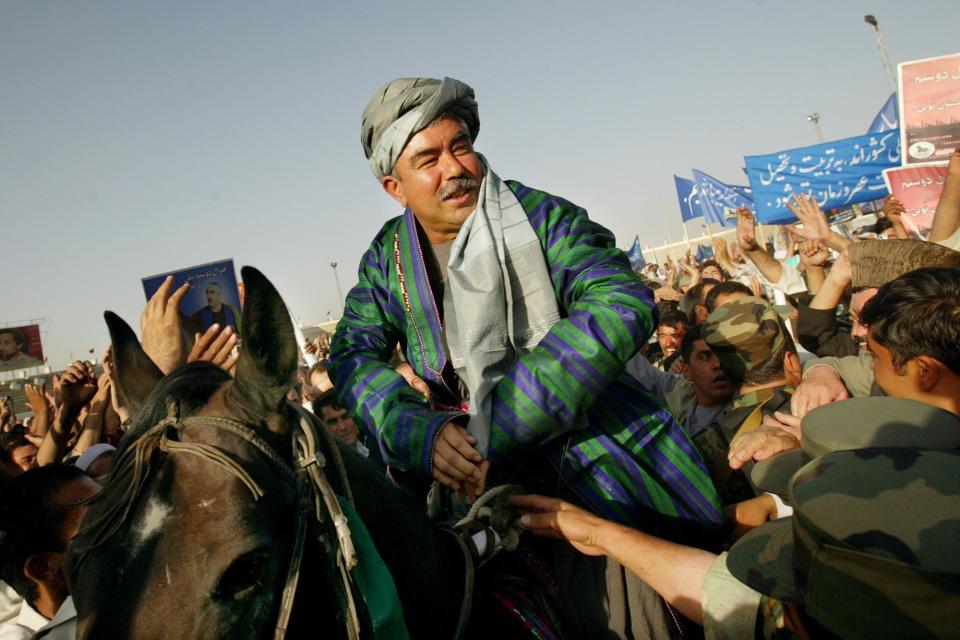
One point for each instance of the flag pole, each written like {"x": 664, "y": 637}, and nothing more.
{"x": 686, "y": 237}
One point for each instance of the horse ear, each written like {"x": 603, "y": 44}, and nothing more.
{"x": 135, "y": 372}
{"x": 267, "y": 366}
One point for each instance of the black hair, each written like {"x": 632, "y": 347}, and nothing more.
{"x": 30, "y": 522}
{"x": 714, "y": 263}
{"x": 918, "y": 314}
{"x": 723, "y": 289}
{"x": 693, "y": 297}
{"x": 12, "y": 440}
{"x": 321, "y": 366}
{"x": 18, "y": 336}
{"x": 686, "y": 347}
{"x": 672, "y": 319}
{"x": 329, "y": 400}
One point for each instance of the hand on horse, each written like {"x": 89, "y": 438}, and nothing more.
{"x": 216, "y": 345}
{"x": 161, "y": 327}
{"x": 455, "y": 461}
{"x": 554, "y": 518}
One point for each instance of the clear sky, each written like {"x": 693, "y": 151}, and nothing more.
{"x": 138, "y": 137}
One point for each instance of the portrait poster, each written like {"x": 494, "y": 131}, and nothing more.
{"x": 213, "y": 296}
{"x": 20, "y": 347}
{"x": 929, "y": 109}
{"x": 919, "y": 189}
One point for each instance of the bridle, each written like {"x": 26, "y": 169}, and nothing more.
{"x": 316, "y": 503}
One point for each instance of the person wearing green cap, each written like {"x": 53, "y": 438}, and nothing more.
{"x": 757, "y": 353}
{"x": 869, "y": 553}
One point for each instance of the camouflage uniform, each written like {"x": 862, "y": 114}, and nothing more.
{"x": 870, "y": 552}
{"x": 744, "y": 334}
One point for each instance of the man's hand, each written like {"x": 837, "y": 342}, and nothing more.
{"x": 554, "y": 518}
{"x": 216, "y": 346}
{"x": 416, "y": 383}
{"x": 746, "y": 230}
{"x": 667, "y": 292}
{"x": 455, "y": 461}
{"x": 37, "y": 399}
{"x": 809, "y": 213}
{"x": 760, "y": 444}
{"x": 78, "y": 385}
{"x": 750, "y": 514}
{"x": 821, "y": 386}
{"x": 161, "y": 327}
{"x": 814, "y": 253}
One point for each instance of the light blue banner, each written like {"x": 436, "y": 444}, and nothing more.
{"x": 837, "y": 174}
{"x": 719, "y": 201}
{"x": 888, "y": 118}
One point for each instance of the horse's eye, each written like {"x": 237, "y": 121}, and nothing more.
{"x": 241, "y": 577}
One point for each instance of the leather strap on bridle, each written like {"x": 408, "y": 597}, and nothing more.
{"x": 314, "y": 496}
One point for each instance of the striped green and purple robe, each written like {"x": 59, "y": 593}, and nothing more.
{"x": 631, "y": 456}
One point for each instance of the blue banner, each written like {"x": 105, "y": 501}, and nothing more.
{"x": 635, "y": 255}
{"x": 888, "y": 119}
{"x": 837, "y": 174}
{"x": 687, "y": 194}
{"x": 703, "y": 253}
{"x": 720, "y": 201}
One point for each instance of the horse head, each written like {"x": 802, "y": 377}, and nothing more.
{"x": 196, "y": 544}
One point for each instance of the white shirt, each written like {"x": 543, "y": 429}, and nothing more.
{"x": 27, "y": 622}
{"x": 31, "y": 624}
{"x": 9, "y": 603}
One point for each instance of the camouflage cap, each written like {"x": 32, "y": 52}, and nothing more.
{"x": 857, "y": 423}
{"x": 744, "y": 333}
{"x": 870, "y": 551}
{"x": 874, "y": 263}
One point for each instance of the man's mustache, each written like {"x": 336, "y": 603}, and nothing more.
{"x": 457, "y": 186}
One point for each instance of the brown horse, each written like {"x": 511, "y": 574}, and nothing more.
{"x": 194, "y": 533}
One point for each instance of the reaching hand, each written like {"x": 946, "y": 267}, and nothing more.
{"x": 37, "y": 400}
{"x": 746, "y": 230}
{"x": 554, "y": 518}
{"x": 814, "y": 253}
{"x": 760, "y": 444}
{"x": 216, "y": 346}
{"x": 78, "y": 386}
{"x": 821, "y": 386}
{"x": 455, "y": 461}
{"x": 667, "y": 292}
{"x": 750, "y": 514}
{"x": 841, "y": 271}
{"x": 161, "y": 327}
{"x": 809, "y": 213}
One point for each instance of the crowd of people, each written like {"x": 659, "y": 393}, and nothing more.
{"x": 762, "y": 442}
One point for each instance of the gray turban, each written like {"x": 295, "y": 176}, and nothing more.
{"x": 404, "y": 107}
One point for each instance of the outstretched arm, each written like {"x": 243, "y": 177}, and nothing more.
{"x": 674, "y": 571}
{"x": 946, "y": 220}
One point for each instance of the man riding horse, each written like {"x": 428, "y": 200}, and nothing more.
{"x": 519, "y": 312}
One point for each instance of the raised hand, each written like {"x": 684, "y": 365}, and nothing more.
{"x": 78, "y": 386}
{"x": 216, "y": 345}
{"x": 809, "y": 213}
{"x": 162, "y": 328}
{"x": 814, "y": 253}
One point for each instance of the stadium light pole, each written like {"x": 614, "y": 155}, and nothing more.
{"x": 884, "y": 54}
{"x": 336, "y": 278}
{"x": 815, "y": 119}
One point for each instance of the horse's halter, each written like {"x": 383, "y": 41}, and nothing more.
{"x": 314, "y": 495}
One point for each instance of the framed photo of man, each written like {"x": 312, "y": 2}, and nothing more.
{"x": 213, "y": 297}
{"x": 20, "y": 347}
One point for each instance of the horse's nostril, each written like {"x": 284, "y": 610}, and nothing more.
{"x": 241, "y": 578}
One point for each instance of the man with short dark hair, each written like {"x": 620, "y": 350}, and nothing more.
{"x": 19, "y": 450}
{"x": 341, "y": 425}
{"x": 40, "y": 512}
{"x": 13, "y": 354}
{"x": 725, "y": 292}
{"x": 670, "y": 332}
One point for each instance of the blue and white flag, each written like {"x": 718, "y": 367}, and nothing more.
{"x": 837, "y": 174}
{"x": 720, "y": 201}
{"x": 888, "y": 118}
{"x": 703, "y": 253}
{"x": 688, "y": 195}
{"x": 635, "y": 255}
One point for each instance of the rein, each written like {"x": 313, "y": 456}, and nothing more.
{"x": 316, "y": 502}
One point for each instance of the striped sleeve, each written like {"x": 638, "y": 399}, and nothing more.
{"x": 401, "y": 420}
{"x": 610, "y": 313}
